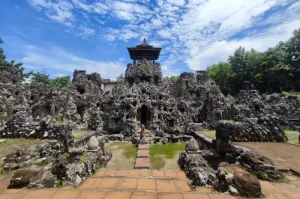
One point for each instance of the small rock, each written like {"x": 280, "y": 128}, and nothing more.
{"x": 93, "y": 143}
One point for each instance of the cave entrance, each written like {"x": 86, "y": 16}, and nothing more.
{"x": 143, "y": 115}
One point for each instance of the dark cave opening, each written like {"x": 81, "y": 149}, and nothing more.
{"x": 81, "y": 89}
{"x": 171, "y": 123}
{"x": 81, "y": 110}
{"x": 143, "y": 115}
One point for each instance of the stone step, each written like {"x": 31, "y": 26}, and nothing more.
{"x": 142, "y": 154}
{"x": 143, "y": 147}
{"x": 142, "y": 163}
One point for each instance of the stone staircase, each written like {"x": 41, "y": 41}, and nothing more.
{"x": 142, "y": 157}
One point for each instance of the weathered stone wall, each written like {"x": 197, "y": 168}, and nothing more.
{"x": 264, "y": 129}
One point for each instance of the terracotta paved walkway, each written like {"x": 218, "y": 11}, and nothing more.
{"x": 142, "y": 184}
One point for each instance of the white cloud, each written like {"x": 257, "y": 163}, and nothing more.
{"x": 58, "y": 59}
{"x": 197, "y": 32}
{"x": 60, "y": 12}
{"x": 221, "y": 50}
{"x": 86, "y": 32}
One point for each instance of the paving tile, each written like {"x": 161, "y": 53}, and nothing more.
{"x": 293, "y": 195}
{"x": 5, "y": 182}
{"x": 142, "y": 154}
{"x": 127, "y": 183}
{"x": 91, "y": 195}
{"x": 157, "y": 173}
{"x": 144, "y": 195}
{"x": 181, "y": 175}
{"x": 109, "y": 172}
{"x": 169, "y": 196}
{"x": 286, "y": 188}
{"x": 117, "y": 195}
{"x": 8, "y": 194}
{"x": 65, "y": 194}
{"x": 12, "y": 191}
{"x": 146, "y": 184}
{"x": 42, "y": 193}
{"x": 291, "y": 177}
{"x": 277, "y": 196}
{"x": 122, "y": 173}
{"x": 203, "y": 190}
{"x": 165, "y": 186}
{"x": 297, "y": 183}
{"x": 171, "y": 174}
{"x": 143, "y": 147}
{"x": 108, "y": 183}
{"x": 267, "y": 188}
{"x": 221, "y": 196}
{"x": 100, "y": 173}
{"x": 195, "y": 196}
{"x": 11, "y": 196}
{"x": 134, "y": 173}
{"x": 90, "y": 183}
{"x": 145, "y": 173}
{"x": 182, "y": 186}
{"x": 142, "y": 163}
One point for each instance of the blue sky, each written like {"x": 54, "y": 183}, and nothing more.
{"x": 58, "y": 36}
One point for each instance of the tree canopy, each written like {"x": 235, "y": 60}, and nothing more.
{"x": 44, "y": 80}
{"x": 275, "y": 70}
{"x": 11, "y": 65}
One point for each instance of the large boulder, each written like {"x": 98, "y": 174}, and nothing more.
{"x": 21, "y": 178}
{"x": 247, "y": 184}
{"x": 237, "y": 181}
{"x": 192, "y": 145}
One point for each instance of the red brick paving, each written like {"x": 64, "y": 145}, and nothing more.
{"x": 142, "y": 154}
{"x": 108, "y": 183}
{"x": 146, "y": 184}
{"x": 135, "y": 184}
{"x": 144, "y": 195}
{"x": 142, "y": 163}
{"x": 92, "y": 195}
{"x": 143, "y": 147}
{"x": 127, "y": 183}
{"x": 118, "y": 195}
{"x": 171, "y": 174}
{"x": 165, "y": 186}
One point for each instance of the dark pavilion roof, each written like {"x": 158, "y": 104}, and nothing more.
{"x": 144, "y": 50}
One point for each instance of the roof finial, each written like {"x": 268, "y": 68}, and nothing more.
{"x": 144, "y": 41}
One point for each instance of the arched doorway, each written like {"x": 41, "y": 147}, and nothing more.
{"x": 143, "y": 115}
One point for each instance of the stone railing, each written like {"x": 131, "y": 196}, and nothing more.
{"x": 83, "y": 140}
{"x": 204, "y": 142}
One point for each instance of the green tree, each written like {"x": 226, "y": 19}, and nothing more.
{"x": 222, "y": 74}
{"x": 40, "y": 79}
{"x": 174, "y": 78}
{"x": 11, "y": 66}
{"x": 60, "y": 82}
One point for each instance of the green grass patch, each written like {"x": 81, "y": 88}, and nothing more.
{"x": 158, "y": 152}
{"x": 129, "y": 150}
{"x": 168, "y": 150}
{"x": 84, "y": 157}
{"x": 79, "y": 133}
{"x": 8, "y": 145}
{"x": 287, "y": 94}
{"x": 229, "y": 121}
{"x": 209, "y": 133}
{"x": 292, "y": 136}
{"x": 157, "y": 162}
{"x": 58, "y": 123}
